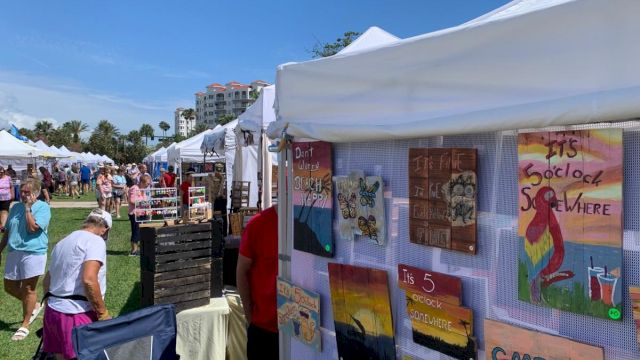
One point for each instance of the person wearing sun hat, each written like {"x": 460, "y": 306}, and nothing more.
{"x": 76, "y": 283}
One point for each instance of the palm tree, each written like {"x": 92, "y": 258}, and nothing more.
{"x": 164, "y": 126}
{"x": 76, "y": 127}
{"x": 42, "y": 128}
{"x": 189, "y": 114}
{"x": 147, "y": 131}
{"x": 103, "y": 140}
{"x": 198, "y": 129}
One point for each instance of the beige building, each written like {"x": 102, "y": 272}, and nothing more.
{"x": 232, "y": 98}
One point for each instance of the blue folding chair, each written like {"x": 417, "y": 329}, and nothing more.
{"x": 148, "y": 333}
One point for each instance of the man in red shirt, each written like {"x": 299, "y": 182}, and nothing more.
{"x": 184, "y": 190}
{"x": 256, "y": 279}
{"x": 169, "y": 178}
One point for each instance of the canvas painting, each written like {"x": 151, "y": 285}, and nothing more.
{"x": 570, "y": 221}
{"x": 347, "y": 188}
{"x": 299, "y": 313}
{"x": 312, "y": 198}
{"x": 370, "y": 206}
{"x": 442, "y": 198}
{"x": 361, "y": 312}
{"x": 438, "y": 320}
{"x": 634, "y": 293}
{"x": 503, "y": 341}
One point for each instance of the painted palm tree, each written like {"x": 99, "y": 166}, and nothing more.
{"x": 76, "y": 127}
{"x": 164, "y": 126}
{"x": 147, "y": 132}
{"x": 42, "y": 128}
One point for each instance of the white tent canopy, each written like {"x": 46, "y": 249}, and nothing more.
{"x": 187, "y": 150}
{"x": 527, "y": 64}
{"x": 152, "y": 157}
{"x": 12, "y": 148}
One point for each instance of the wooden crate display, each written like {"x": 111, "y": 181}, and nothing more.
{"x": 175, "y": 265}
{"x": 240, "y": 191}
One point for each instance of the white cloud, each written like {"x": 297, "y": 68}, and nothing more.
{"x": 26, "y": 99}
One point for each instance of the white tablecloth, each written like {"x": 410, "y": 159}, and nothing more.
{"x": 202, "y": 331}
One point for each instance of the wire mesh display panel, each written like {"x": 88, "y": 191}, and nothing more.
{"x": 489, "y": 278}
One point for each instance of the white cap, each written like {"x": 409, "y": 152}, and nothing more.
{"x": 104, "y": 215}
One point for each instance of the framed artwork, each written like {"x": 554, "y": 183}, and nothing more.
{"x": 503, "y": 341}
{"x": 438, "y": 320}
{"x": 570, "y": 221}
{"x": 361, "y": 312}
{"x": 312, "y": 198}
{"x": 442, "y": 198}
{"x": 634, "y": 293}
{"x": 299, "y": 313}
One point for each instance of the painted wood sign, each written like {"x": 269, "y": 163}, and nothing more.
{"x": 503, "y": 341}
{"x": 442, "y": 198}
{"x": 437, "y": 319}
{"x": 634, "y": 293}
{"x": 361, "y": 312}
{"x": 361, "y": 204}
{"x": 312, "y": 198}
{"x": 347, "y": 188}
{"x": 299, "y": 314}
{"x": 570, "y": 221}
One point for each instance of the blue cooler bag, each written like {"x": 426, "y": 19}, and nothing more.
{"x": 148, "y": 333}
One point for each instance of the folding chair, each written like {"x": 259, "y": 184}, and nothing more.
{"x": 148, "y": 333}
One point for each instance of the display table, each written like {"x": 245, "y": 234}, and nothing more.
{"x": 237, "y": 340}
{"x": 202, "y": 331}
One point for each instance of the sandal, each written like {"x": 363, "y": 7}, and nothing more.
{"x": 35, "y": 313}
{"x": 20, "y": 334}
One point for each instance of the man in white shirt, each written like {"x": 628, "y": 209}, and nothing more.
{"x": 76, "y": 283}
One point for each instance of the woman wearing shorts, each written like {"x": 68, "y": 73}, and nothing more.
{"x": 136, "y": 193}
{"x": 118, "y": 183}
{"x": 78, "y": 267}
{"x": 104, "y": 189}
{"x": 27, "y": 238}
{"x": 6, "y": 196}
{"x": 74, "y": 181}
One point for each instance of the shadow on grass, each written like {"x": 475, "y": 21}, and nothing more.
{"x": 118, "y": 252}
{"x": 133, "y": 302}
{"x": 5, "y": 326}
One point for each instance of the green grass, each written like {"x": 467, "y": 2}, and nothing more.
{"x": 123, "y": 276}
{"x": 90, "y": 196}
{"x": 570, "y": 298}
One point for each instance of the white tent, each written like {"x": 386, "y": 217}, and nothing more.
{"x": 48, "y": 151}
{"x": 151, "y": 157}
{"x": 187, "y": 150}
{"x": 253, "y": 142}
{"x": 527, "y": 64}
{"x": 12, "y": 148}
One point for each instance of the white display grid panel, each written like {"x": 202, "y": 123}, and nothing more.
{"x": 489, "y": 278}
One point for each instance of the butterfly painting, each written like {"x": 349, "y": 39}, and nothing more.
{"x": 370, "y": 209}
{"x": 368, "y": 227}
{"x": 347, "y": 205}
{"x": 368, "y": 193}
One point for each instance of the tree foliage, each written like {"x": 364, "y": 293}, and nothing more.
{"x": 321, "y": 50}
{"x": 104, "y": 139}
{"x": 189, "y": 114}
{"x": 225, "y": 119}
{"x": 146, "y": 131}
{"x": 200, "y": 127}
{"x": 76, "y": 127}
{"x": 164, "y": 126}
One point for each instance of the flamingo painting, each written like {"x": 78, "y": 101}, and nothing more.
{"x": 544, "y": 245}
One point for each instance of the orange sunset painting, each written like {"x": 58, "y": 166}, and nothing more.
{"x": 570, "y": 220}
{"x": 361, "y": 312}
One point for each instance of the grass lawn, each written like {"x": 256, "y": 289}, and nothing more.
{"x": 90, "y": 196}
{"x": 123, "y": 281}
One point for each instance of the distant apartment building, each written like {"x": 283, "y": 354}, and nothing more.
{"x": 232, "y": 98}
{"x": 182, "y": 125}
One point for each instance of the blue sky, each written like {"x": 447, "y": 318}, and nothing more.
{"x": 135, "y": 61}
